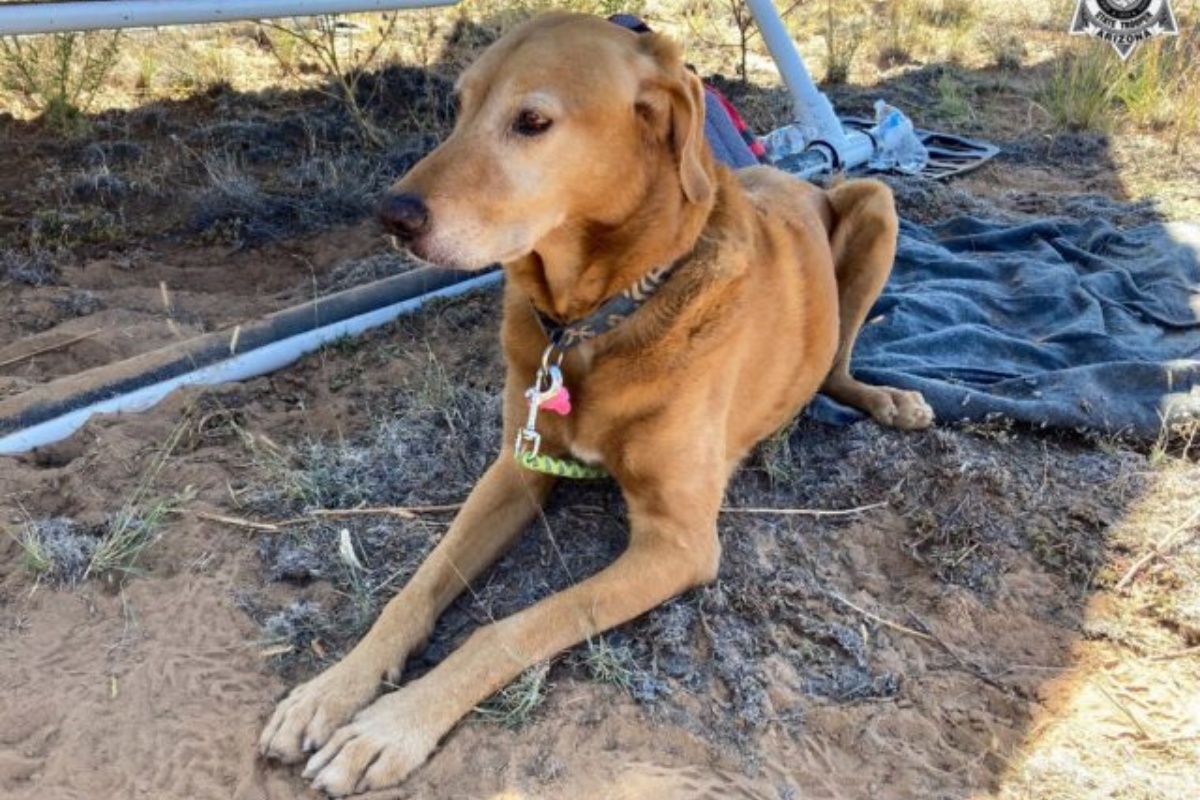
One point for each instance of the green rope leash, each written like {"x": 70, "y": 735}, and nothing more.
{"x": 559, "y": 467}
{"x": 548, "y": 392}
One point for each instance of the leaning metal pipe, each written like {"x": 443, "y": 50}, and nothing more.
{"x": 53, "y": 411}
{"x": 25, "y": 18}
{"x": 807, "y": 164}
{"x": 809, "y": 105}
{"x": 857, "y": 149}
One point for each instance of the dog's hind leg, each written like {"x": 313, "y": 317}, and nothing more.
{"x": 499, "y": 508}
{"x": 863, "y": 241}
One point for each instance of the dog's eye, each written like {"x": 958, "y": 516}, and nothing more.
{"x": 530, "y": 123}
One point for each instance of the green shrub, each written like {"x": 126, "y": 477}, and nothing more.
{"x": 1004, "y": 42}
{"x": 947, "y": 13}
{"x": 1161, "y": 87}
{"x": 345, "y": 49}
{"x": 1080, "y": 91}
{"x": 58, "y": 75}
{"x": 842, "y": 40}
{"x": 900, "y": 33}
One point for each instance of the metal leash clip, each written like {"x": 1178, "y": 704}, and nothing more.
{"x": 547, "y": 385}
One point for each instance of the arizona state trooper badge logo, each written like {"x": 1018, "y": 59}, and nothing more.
{"x": 1124, "y": 23}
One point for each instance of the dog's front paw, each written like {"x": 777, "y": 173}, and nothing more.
{"x": 379, "y": 749}
{"x": 307, "y": 718}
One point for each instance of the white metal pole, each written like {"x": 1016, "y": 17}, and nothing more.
{"x": 25, "y": 18}
{"x": 810, "y": 106}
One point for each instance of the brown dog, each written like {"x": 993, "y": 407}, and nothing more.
{"x": 579, "y": 161}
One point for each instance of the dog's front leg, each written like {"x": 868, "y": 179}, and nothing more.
{"x": 499, "y": 508}
{"x": 673, "y": 546}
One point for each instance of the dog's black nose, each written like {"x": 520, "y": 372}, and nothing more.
{"x": 404, "y": 215}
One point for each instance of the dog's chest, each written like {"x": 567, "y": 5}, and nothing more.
{"x": 585, "y": 454}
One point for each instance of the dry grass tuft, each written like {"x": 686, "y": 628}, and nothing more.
{"x": 65, "y": 552}
{"x": 515, "y": 704}
{"x": 843, "y": 39}
{"x": 1080, "y": 92}
{"x": 140, "y": 520}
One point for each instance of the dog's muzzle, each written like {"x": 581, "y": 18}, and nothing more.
{"x": 404, "y": 215}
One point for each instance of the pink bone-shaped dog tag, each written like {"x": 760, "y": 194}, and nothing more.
{"x": 558, "y": 403}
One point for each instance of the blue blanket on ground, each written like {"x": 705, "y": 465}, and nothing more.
{"x": 1057, "y": 323}
{"x": 1060, "y": 323}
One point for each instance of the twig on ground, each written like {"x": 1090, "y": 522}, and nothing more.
{"x": 1014, "y": 668}
{"x": 275, "y": 526}
{"x": 884, "y": 622}
{"x": 974, "y": 669}
{"x": 1176, "y": 654}
{"x": 965, "y": 555}
{"x": 1164, "y": 544}
{"x": 804, "y": 512}
{"x": 404, "y": 512}
{"x": 1168, "y": 740}
{"x": 50, "y": 348}
{"x": 238, "y": 522}
{"x": 277, "y": 650}
{"x": 1146, "y": 735}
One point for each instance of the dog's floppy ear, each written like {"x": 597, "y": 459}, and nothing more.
{"x": 673, "y": 100}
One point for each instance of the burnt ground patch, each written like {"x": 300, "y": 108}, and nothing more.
{"x": 799, "y": 612}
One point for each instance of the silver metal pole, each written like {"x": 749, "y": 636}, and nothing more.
{"x": 809, "y": 105}
{"x": 25, "y": 18}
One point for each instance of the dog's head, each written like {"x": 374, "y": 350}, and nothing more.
{"x": 565, "y": 126}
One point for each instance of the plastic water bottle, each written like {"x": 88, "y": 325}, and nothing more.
{"x": 787, "y": 141}
{"x": 899, "y": 148}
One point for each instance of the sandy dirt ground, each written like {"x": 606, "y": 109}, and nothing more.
{"x": 966, "y": 634}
